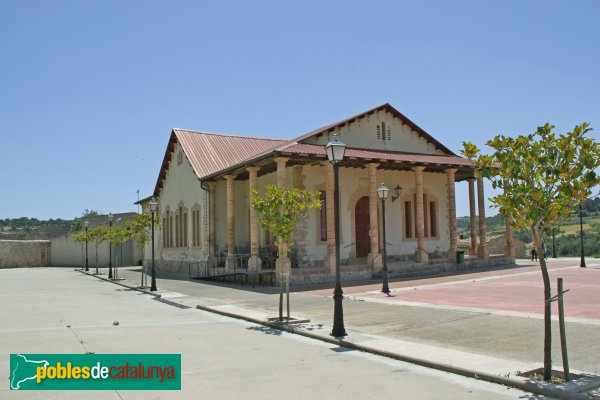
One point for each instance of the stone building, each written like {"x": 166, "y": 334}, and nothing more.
{"x": 206, "y": 181}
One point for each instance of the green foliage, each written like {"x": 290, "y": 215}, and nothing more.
{"x": 281, "y": 208}
{"x": 544, "y": 175}
{"x": 140, "y": 228}
{"x": 78, "y": 222}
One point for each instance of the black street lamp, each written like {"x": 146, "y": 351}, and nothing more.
{"x": 582, "y": 262}
{"x": 382, "y": 192}
{"x": 110, "y": 221}
{"x": 87, "y": 224}
{"x": 335, "y": 153}
{"x": 153, "y": 204}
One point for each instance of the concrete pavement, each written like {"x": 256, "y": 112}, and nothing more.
{"x": 483, "y": 339}
{"x": 54, "y": 310}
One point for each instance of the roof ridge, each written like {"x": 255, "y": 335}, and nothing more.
{"x": 229, "y": 135}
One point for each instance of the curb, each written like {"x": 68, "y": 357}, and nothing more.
{"x": 528, "y": 386}
{"x": 540, "y": 388}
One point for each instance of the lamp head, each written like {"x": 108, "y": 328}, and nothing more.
{"x": 153, "y": 204}
{"x": 335, "y": 149}
{"x": 382, "y": 191}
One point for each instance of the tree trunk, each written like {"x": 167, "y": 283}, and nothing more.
{"x": 547, "y": 306}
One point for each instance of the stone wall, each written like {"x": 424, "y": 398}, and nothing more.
{"x": 24, "y": 253}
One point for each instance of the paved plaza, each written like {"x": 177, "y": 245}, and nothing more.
{"x": 62, "y": 311}
{"x": 486, "y": 321}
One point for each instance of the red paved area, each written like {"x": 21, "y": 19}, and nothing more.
{"x": 522, "y": 293}
{"x": 513, "y": 290}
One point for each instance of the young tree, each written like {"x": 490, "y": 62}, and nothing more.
{"x": 280, "y": 209}
{"x": 77, "y": 224}
{"x": 118, "y": 235}
{"x": 543, "y": 176}
{"x": 140, "y": 230}
{"x": 98, "y": 235}
{"x": 81, "y": 237}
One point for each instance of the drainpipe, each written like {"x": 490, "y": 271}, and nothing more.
{"x": 206, "y": 214}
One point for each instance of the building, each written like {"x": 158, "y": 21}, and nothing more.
{"x": 206, "y": 182}
{"x": 66, "y": 252}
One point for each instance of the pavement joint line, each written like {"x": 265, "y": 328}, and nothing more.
{"x": 541, "y": 388}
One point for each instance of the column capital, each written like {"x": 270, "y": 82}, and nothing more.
{"x": 253, "y": 169}
{"x": 229, "y": 178}
{"x": 211, "y": 184}
{"x": 418, "y": 168}
{"x": 373, "y": 165}
{"x": 451, "y": 171}
{"x": 281, "y": 159}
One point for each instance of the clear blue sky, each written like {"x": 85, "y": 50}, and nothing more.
{"x": 89, "y": 90}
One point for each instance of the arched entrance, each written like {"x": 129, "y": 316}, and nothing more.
{"x": 361, "y": 225}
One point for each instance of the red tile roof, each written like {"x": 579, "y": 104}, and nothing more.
{"x": 211, "y": 152}
{"x": 368, "y": 154}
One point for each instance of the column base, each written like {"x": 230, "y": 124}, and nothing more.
{"x": 452, "y": 255}
{"x": 422, "y": 256}
{"x": 483, "y": 252}
{"x": 375, "y": 260}
{"x": 254, "y": 263}
{"x": 510, "y": 251}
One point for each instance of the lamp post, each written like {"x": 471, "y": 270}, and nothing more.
{"x": 582, "y": 262}
{"x": 553, "y": 244}
{"x": 382, "y": 192}
{"x": 335, "y": 153}
{"x": 87, "y": 224}
{"x": 110, "y": 272}
{"x": 153, "y": 204}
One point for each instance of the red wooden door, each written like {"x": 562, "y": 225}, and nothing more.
{"x": 361, "y": 226}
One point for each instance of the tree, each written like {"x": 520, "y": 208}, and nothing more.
{"x": 98, "y": 235}
{"x": 119, "y": 235}
{"x": 280, "y": 209}
{"x": 544, "y": 176}
{"x": 81, "y": 237}
{"x": 140, "y": 228}
{"x": 78, "y": 222}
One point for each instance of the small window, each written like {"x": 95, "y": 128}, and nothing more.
{"x": 323, "y": 216}
{"x": 408, "y": 219}
{"x": 179, "y": 157}
{"x": 433, "y": 219}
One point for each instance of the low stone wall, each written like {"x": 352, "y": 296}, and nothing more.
{"x": 24, "y": 253}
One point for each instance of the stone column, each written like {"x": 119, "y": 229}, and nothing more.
{"x": 452, "y": 214}
{"x": 330, "y": 217}
{"x": 422, "y": 255}
{"x": 282, "y": 265}
{"x": 473, "y": 218}
{"x": 374, "y": 258}
{"x": 281, "y": 170}
{"x": 509, "y": 250}
{"x": 254, "y": 263}
{"x": 230, "y": 218}
{"x": 212, "y": 186}
{"x": 483, "y": 252}
{"x": 301, "y": 242}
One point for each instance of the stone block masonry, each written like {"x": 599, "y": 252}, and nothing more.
{"x": 24, "y": 253}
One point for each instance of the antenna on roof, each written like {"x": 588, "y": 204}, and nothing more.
{"x": 138, "y": 203}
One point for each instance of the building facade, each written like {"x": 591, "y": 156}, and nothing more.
{"x": 207, "y": 180}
